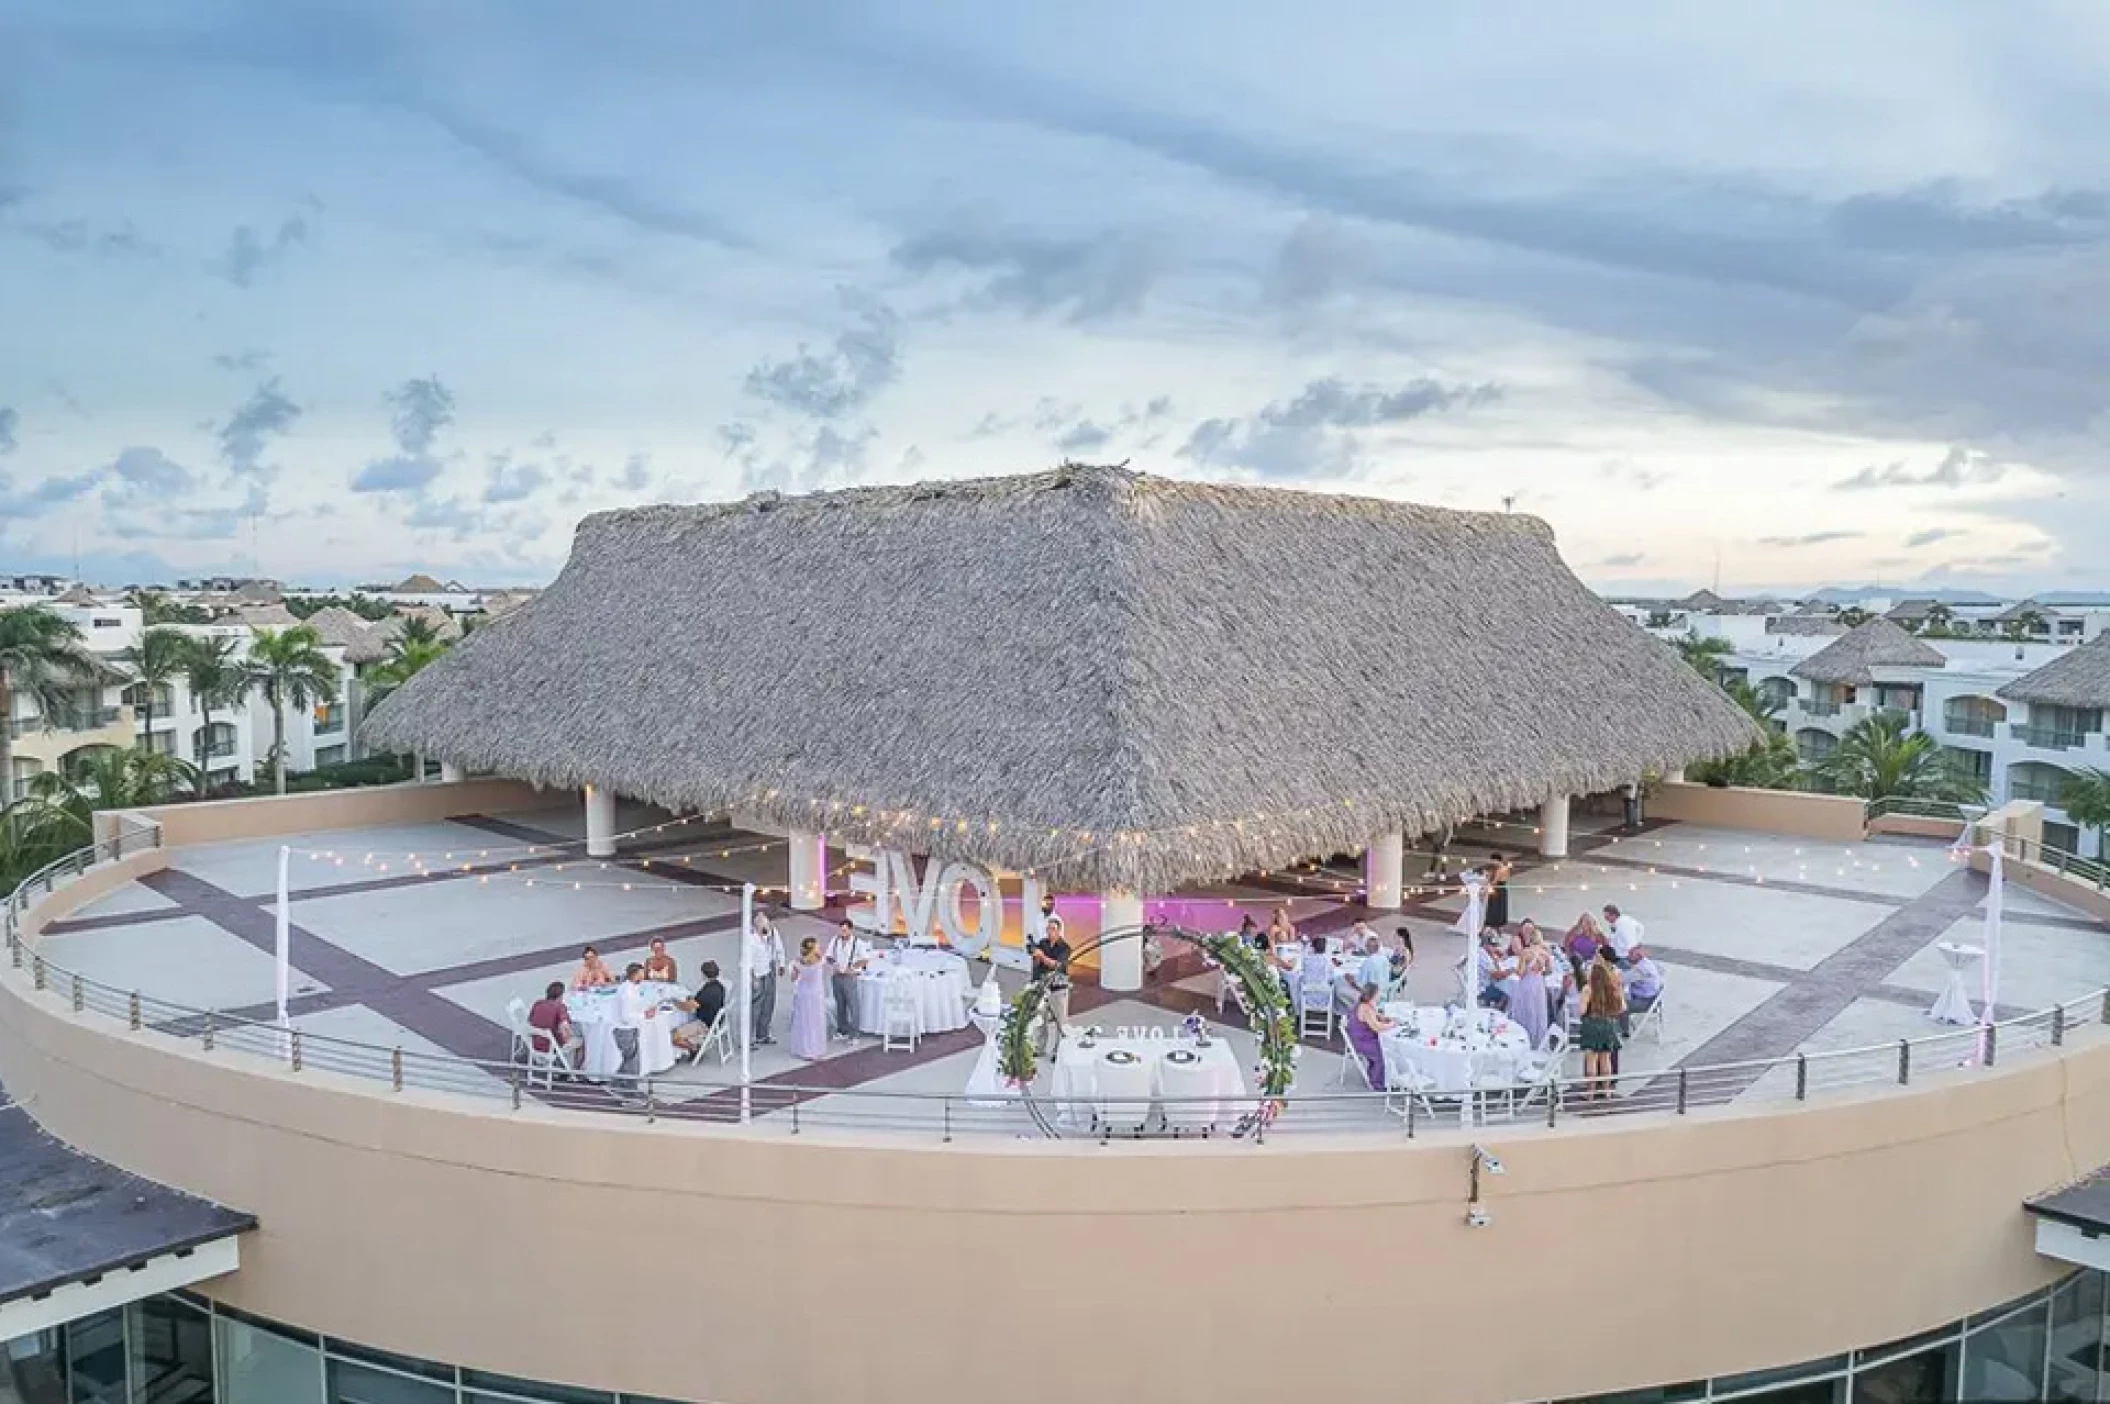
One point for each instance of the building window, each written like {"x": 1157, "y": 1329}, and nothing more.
{"x": 353, "y": 1383}
{"x": 2004, "y": 1359}
{"x": 263, "y": 1367}
{"x": 171, "y": 1351}
{"x": 1923, "y": 1375}
{"x": 33, "y": 1367}
{"x": 330, "y": 755}
{"x": 95, "y": 1358}
{"x": 2075, "y": 1362}
{"x": 1976, "y": 764}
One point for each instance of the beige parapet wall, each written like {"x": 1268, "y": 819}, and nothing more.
{"x": 706, "y": 1262}
{"x": 1833, "y": 818}
{"x": 217, "y": 821}
{"x": 1913, "y": 826}
{"x": 76, "y": 893}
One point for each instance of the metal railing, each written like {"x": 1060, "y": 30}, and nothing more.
{"x": 2049, "y": 738}
{"x": 1964, "y": 724}
{"x": 1334, "y": 1100}
{"x": 1817, "y": 707}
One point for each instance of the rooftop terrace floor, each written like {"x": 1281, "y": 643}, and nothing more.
{"x": 1769, "y": 945}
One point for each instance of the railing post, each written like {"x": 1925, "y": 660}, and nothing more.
{"x": 1992, "y": 1042}
{"x": 516, "y": 1088}
{"x": 296, "y": 1050}
{"x": 1412, "y": 1102}
{"x": 1904, "y": 1062}
{"x": 1802, "y": 1077}
{"x": 794, "y": 1113}
{"x": 77, "y": 992}
{"x": 947, "y": 1107}
{"x": 134, "y": 1011}
{"x": 395, "y": 1068}
{"x": 651, "y": 1103}
{"x": 1681, "y": 1091}
{"x": 2058, "y": 1025}
{"x": 211, "y": 1017}
{"x": 2105, "y": 1018}
{"x": 1553, "y": 1101}
{"x": 14, "y": 945}
{"x": 39, "y": 968}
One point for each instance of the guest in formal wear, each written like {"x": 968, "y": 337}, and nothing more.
{"x": 1495, "y": 970}
{"x": 1621, "y": 932}
{"x": 1604, "y": 1004}
{"x": 591, "y": 974}
{"x": 1314, "y": 972}
{"x": 1402, "y": 956}
{"x": 634, "y": 1007}
{"x": 1281, "y": 931}
{"x": 1366, "y": 1028}
{"x": 809, "y": 1002}
{"x": 765, "y": 962}
{"x": 1498, "y": 875}
{"x": 1583, "y": 939}
{"x": 1249, "y": 933}
{"x": 1376, "y": 968}
{"x": 848, "y": 955}
{"x": 1051, "y": 966}
{"x": 550, "y": 1022}
{"x": 1534, "y": 962}
{"x": 659, "y": 965}
{"x": 706, "y": 1007}
{"x": 1644, "y": 982}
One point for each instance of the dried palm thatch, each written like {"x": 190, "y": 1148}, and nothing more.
{"x": 1878, "y": 643}
{"x": 271, "y": 616}
{"x": 2079, "y": 678}
{"x": 1112, "y": 679}
{"x": 340, "y": 628}
{"x": 1805, "y": 625}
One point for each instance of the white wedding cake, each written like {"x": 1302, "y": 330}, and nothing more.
{"x": 989, "y": 1000}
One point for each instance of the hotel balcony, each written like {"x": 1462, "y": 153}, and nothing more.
{"x": 388, "y": 1136}
{"x": 71, "y": 730}
{"x": 1963, "y": 725}
{"x": 2047, "y": 738}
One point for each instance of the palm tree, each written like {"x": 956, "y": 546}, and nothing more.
{"x": 1939, "y": 619}
{"x": 41, "y": 657}
{"x": 156, "y": 662}
{"x": 416, "y": 629}
{"x": 57, "y": 814}
{"x": 1771, "y": 764}
{"x": 288, "y": 665}
{"x": 216, "y": 677}
{"x": 1705, "y": 655}
{"x": 2029, "y": 621}
{"x": 1853, "y": 616}
{"x": 1878, "y": 758}
{"x": 2086, "y": 799}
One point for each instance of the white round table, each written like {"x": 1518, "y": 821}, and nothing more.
{"x": 1453, "y": 1060}
{"x": 1189, "y": 1083}
{"x": 939, "y": 978}
{"x": 594, "y": 1013}
{"x": 1953, "y": 1004}
{"x": 985, "y": 1085}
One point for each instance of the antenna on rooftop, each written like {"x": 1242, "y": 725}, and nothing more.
{"x": 1718, "y": 567}
{"x": 1509, "y": 501}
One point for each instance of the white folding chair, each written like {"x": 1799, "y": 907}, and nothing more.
{"x": 1495, "y": 1087}
{"x": 1412, "y": 1086}
{"x": 900, "y": 1015}
{"x": 516, "y": 1021}
{"x": 719, "y": 1036}
{"x": 1653, "y": 1015}
{"x": 1315, "y": 1000}
{"x": 1541, "y": 1075}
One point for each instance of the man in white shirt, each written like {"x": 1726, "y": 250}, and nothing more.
{"x": 1621, "y": 932}
{"x": 1376, "y": 968}
{"x": 765, "y": 961}
{"x": 847, "y": 956}
{"x": 634, "y": 1005}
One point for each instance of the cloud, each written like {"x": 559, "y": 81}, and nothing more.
{"x": 1063, "y": 425}
{"x": 1959, "y": 467}
{"x": 8, "y": 421}
{"x": 829, "y": 457}
{"x": 864, "y": 360}
{"x": 264, "y": 416}
{"x": 1815, "y": 538}
{"x": 249, "y": 253}
{"x": 143, "y": 476}
{"x": 637, "y": 473}
{"x": 1312, "y": 435}
{"x": 1932, "y": 535}
{"x": 1633, "y": 474}
{"x": 1316, "y": 261}
{"x": 246, "y": 360}
{"x": 44, "y": 495}
{"x": 77, "y": 236}
{"x": 419, "y": 409}
{"x": 1081, "y": 279}
{"x": 1624, "y": 559}
{"x": 514, "y": 482}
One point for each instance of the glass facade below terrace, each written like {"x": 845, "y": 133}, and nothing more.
{"x": 180, "y": 1349}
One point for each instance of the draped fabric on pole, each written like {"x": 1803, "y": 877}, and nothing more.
{"x": 1995, "y": 894}
{"x": 282, "y": 951}
{"x": 1469, "y": 923}
{"x": 747, "y": 993}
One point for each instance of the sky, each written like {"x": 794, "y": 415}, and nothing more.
{"x": 1776, "y": 296}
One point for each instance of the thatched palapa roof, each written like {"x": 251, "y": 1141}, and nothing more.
{"x": 340, "y": 628}
{"x": 1808, "y": 625}
{"x": 2079, "y": 678}
{"x": 1114, "y": 679}
{"x": 1878, "y": 643}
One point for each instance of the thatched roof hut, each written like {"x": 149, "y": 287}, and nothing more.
{"x": 1805, "y": 625}
{"x": 340, "y": 628}
{"x": 272, "y": 616}
{"x": 2079, "y": 678}
{"x": 1116, "y": 679}
{"x": 1878, "y": 643}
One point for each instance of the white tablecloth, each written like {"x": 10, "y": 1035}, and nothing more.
{"x": 594, "y": 1011}
{"x": 985, "y": 1085}
{"x": 1953, "y": 1005}
{"x": 940, "y": 979}
{"x": 1204, "y": 1082}
{"x": 1449, "y": 1057}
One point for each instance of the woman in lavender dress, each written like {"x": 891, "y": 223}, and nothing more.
{"x": 1528, "y": 1006}
{"x": 809, "y": 1002}
{"x": 1366, "y": 1028}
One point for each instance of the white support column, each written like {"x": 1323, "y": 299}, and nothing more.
{"x": 600, "y": 822}
{"x": 451, "y": 773}
{"x": 1384, "y": 871}
{"x": 1675, "y": 777}
{"x": 809, "y": 871}
{"x": 1553, "y": 827}
{"x": 1121, "y": 962}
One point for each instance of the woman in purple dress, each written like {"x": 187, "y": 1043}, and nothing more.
{"x": 809, "y": 1002}
{"x": 1366, "y": 1028}
{"x": 1534, "y": 969}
